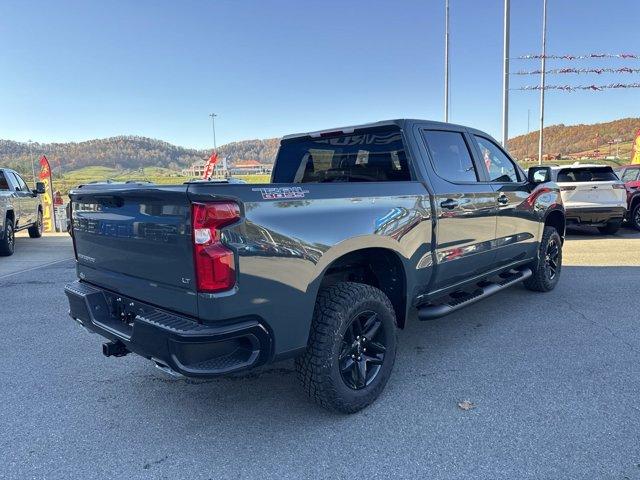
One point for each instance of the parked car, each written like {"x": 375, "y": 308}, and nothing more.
{"x": 592, "y": 196}
{"x": 630, "y": 175}
{"x": 20, "y": 209}
{"x": 361, "y": 229}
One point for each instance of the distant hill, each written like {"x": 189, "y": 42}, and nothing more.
{"x": 128, "y": 152}
{"x": 566, "y": 140}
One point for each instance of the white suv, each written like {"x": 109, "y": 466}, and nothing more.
{"x": 592, "y": 195}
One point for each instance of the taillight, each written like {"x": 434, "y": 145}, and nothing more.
{"x": 214, "y": 262}
{"x": 619, "y": 186}
{"x": 566, "y": 188}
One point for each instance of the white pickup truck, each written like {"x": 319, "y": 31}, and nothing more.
{"x": 20, "y": 209}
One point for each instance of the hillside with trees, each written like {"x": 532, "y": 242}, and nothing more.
{"x": 126, "y": 153}
{"x": 567, "y": 140}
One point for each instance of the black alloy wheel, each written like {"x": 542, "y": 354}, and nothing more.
{"x": 551, "y": 258}
{"x": 363, "y": 350}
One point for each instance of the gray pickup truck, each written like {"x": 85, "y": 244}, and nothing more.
{"x": 361, "y": 229}
{"x": 20, "y": 209}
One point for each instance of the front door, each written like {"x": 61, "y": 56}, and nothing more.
{"x": 27, "y": 201}
{"x": 465, "y": 208}
{"x": 517, "y": 226}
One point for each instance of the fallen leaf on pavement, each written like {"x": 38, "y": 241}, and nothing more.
{"x": 466, "y": 405}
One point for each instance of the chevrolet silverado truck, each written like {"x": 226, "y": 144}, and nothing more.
{"x": 360, "y": 230}
{"x": 20, "y": 209}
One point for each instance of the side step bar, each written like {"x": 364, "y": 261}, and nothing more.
{"x": 462, "y": 299}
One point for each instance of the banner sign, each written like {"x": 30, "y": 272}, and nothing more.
{"x": 208, "y": 169}
{"x": 635, "y": 159}
{"x": 48, "y": 218}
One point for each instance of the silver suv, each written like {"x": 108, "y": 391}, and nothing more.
{"x": 20, "y": 209}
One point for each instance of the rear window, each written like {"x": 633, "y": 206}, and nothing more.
{"x": 4, "y": 185}
{"x": 592, "y": 174}
{"x": 369, "y": 156}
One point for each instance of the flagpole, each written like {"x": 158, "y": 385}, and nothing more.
{"x": 542, "y": 80}
{"x": 446, "y": 61}
{"x": 213, "y": 126}
{"x": 505, "y": 76}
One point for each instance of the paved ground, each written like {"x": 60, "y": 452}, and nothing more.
{"x": 555, "y": 379}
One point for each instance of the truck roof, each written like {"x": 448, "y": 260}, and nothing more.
{"x": 399, "y": 122}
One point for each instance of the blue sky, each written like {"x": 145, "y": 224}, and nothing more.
{"x": 71, "y": 71}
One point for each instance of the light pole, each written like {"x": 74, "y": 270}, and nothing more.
{"x": 213, "y": 126}
{"x": 446, "y": 61}
{"x": 33, "y": 165}
{"x": 542, "y": 79}
{"x": 505, "y": 74}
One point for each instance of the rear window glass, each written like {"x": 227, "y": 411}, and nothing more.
{"x": 4, "y": 185}
{"x": 371, "y": 156}
{"x": 450, "y": 156}
{"x": 593, "y": 174}
{"x": 630, "y": 174}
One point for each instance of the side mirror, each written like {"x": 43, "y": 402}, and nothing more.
{"x": 539, "y": 174}
{"x": 39, "y": 188}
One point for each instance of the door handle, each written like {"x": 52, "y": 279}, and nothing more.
{"x": 503, "y": 199}
{"x": 449, "y": 204}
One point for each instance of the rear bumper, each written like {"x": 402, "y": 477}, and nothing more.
{"x": 173, "y": 342}
{"x": 594, "y": 215}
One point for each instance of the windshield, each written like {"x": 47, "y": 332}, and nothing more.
{"x": 370, "y": 156}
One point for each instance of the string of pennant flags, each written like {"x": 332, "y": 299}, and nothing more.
{"x": 572, "y": 70}
{"x": 597, "y": 71}
{"x": 536, "y": 56}
{"x": 572, "y": 88}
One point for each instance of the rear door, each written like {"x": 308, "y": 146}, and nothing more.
{"x": 465, "y": 207}
{"x": 137, "y": 241}
{"x": 517, "y": 226}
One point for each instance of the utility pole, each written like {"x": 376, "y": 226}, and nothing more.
{"x": 542, "y": 79}
{"x": 213, "y": 126}
{"x": 446, "y": 61}
{"x": 505, "y": 74}
{"x": 33, "y": 165}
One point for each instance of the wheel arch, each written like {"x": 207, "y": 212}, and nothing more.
{"x": 556, "y": 219}
{"x": 379, "y": 267}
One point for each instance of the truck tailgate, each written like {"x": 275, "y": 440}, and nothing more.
{"x": 136, "y": 241}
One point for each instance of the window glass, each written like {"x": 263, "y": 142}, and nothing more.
{"x": 21, "y": 183}
{"x": 630, "y": 174}
{"x": 587, "y": 174}
{"x": 450, "y": 156}
{"x": 371, "y": 156}
{"x": 4, "y": 184}
{"x": 498, "y": 165}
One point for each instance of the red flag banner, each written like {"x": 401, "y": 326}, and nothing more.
{"x": 48, "y": 219}
{"x": 208, "y": 169}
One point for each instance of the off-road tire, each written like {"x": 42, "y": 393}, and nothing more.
{"x": 8, "y": 240}
{"x": 541, "y": 280}
{"x": 610, "y": 228}
{"x": 634, "y": 218}
{"x": 35, "y": 230}
{"x": 319, "y": 367}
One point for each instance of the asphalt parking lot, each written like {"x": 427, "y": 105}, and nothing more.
{"x": 554, "y": 380}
